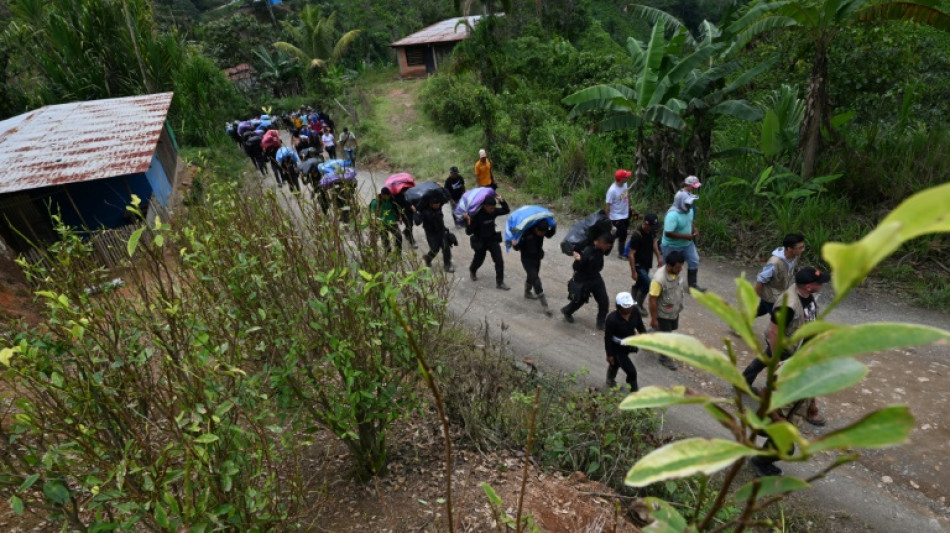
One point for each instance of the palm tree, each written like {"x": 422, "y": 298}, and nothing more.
{"x": 677, "y": 93}
{"x": 822, "y": 20}
{"x": 316, "y": 47}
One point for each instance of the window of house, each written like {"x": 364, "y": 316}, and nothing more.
{"x": 415, "y": 56}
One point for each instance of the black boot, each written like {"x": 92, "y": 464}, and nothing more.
{"x": 527, "y": 291}
{"x": 641, "y": 303}
{"x": 691, "y": 276}
{"x": 612, "y": 376}
{"x": 544, "y": 304}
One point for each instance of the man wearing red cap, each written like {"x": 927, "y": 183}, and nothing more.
{"x": 618, "y": 207}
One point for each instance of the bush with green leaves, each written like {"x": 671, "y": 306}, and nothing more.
{"x": 185, "y": 398}
{"x": 824, "y": 364}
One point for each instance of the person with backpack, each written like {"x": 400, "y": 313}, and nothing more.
{"x": 620, "y": 324}
{"x": 384, "y": 209}
{"x": 429, "y": 215}
{"x": 485, "y": 239}
{"x": 531, "y": 246}
{"x": 587, "y": 280}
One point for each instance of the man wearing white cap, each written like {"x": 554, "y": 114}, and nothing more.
{"x": 679, "y": 230}
{"x": 483, "y": 173}
{"x": 621, "y": 324}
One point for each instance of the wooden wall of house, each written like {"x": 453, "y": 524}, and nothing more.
{"x": 406, "y": 70}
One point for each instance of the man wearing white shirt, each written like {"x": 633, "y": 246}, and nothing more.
{"x": 618, "y": 208}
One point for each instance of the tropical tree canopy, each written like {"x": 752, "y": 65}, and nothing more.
{"x": 316, "y": 39}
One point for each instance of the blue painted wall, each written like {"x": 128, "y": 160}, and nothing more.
{"x": 158, "y": 180}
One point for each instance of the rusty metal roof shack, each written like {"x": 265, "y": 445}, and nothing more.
{"x": 423, "y": 52}
{"x": 84, "y": 161}
{"x": 80, "y": 141}
{"x": 448, "y": 30}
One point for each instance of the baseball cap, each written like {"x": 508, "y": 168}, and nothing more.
{"x": 454, "y": 169}
{"x": 622, "y": 174}
{"x": 651, "y": 219}
{"x": 625, "y": 300}
{"x": 811, "y": 275}
{"x": 693, "y": 182}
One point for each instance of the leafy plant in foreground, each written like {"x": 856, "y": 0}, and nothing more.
{"x": 826, "y": 363}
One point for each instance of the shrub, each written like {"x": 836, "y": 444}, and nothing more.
{"x": 453, "y": 102}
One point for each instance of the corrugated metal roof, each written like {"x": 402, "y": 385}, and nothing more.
{"x": 80, "y": 141}
{"x": 441, "y": 32}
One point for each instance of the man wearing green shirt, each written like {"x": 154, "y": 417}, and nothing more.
{"x": 383, "y": 208}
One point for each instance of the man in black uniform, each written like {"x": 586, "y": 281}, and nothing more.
{"x": 587, "y": 280}
{"x": 621, "y": 324}
{"x": 405, "y": 216}
{"x": 437, "y": 235}
{"x": 455, "y": 184}
{"x": 531, "y": 247}
{"x": 485, "y": 239}
{"x": 640, "y": 252}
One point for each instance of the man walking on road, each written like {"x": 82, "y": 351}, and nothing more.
{"x": 794, "y": 308}
{"x": 531, "y": 247}
{"x": 483, "y": 173}
{"x": 779, "y": 272}
{"x": 587, "y": 281}
{"x": 640, "y": 251}
{"x": 618, "y": 208}
{"x": 437, "y": 235}
{"x": 485, "y": 239}
{"x": 455, "y": 184}
{"x": 679, "y": 234}
{"x": 622, "y": 323}
{"x": 350, "y": 144}
{"x": 667, "y": 293}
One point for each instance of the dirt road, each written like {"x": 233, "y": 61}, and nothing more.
{"x": 897, "y": 489}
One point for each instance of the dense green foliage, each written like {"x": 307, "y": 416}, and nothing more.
{"x": 510, "y": 82}
{"x": 186, "y": 398}
{"x": 825, "y": 362}
{"x": 71, "y": 50}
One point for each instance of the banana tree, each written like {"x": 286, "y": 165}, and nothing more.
{"x": 677, "y": 94}
{"x": 821, "y": 21}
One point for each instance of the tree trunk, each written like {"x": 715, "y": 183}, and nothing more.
{"x": 642, "y": 170}
{"x": 817, "y": 109}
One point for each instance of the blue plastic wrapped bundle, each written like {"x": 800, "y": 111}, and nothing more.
{"x": 331, "y": 165}
{"x": 471, "y": 202}
{"x": 523, "y": 219}
{"x": 286, "y": 152}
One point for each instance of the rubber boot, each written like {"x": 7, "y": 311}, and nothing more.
{"x": 691, "y": 276}
{"x": 544, "y": 304}
{"x": 612, "y": 376}
{"x": 527, "y": 291}
{"x": 641, "y": 304}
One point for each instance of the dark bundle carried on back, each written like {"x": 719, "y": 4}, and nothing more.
{"x": 426, "y": 193}
{"x": 584, "y": 231}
